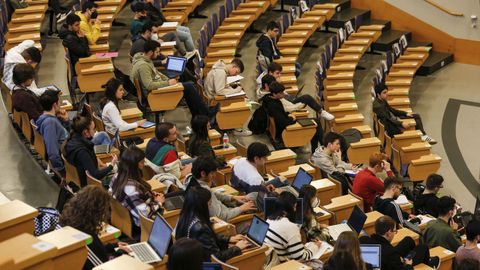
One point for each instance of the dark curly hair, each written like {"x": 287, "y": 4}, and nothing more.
{"x": 87, "y": 210}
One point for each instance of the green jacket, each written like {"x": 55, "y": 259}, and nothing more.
{"x": 147, "y": 75}
{"x": 439, "y": 233}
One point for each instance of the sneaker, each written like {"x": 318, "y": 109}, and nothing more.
{"x": 434, "y": 262}
{"x": 242, "y": 132}
{"x": 62, "y": 17}
{"x": 326, "y": 115}
{"x": 189, "y": 55}
{"x": 428, "y": 139}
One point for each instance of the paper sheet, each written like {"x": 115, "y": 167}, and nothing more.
{"x": 169, "y": 24}
{"x": 231, "y": 79}
{"x": 325, "y": 247}
{"x": 241, "y": 93}
{"x": 402, "y": 199}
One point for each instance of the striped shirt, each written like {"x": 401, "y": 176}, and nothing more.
{"x": 284, "y": 237}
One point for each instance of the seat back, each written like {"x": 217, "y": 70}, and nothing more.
{"x": 121, "y": 217}
{"x": 93, "y": 181}
{"x": 26, "y": 127}
{"x": 241, "y": 148}
{"x": 38, "y": 142}
{"x": 8, "y": 97}
{"x": 71, "y": 174}
{"x": 146, "y": 225}
{"x": 98, "y": 123}
{"x": 224, "y": 265}
{"x": 148, "y": 173}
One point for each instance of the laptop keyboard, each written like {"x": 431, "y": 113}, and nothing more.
{"x": 336, "y": 230}
{"x": 143, "y": 253}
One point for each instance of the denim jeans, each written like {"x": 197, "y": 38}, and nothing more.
{"x": 101, "y": 137}
{"x": 183, "y": 34}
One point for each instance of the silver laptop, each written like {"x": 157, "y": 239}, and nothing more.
{"x": 256, "y": 233}
{"x": 106, "y": 148}
{"x": 156, "y": 247}
{"x": 372, "y": 254}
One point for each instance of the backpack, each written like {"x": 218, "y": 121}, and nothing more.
{"x": 48, "y": 220}
{"x": 258, "y": 123}
{"x": 349, "y": 136}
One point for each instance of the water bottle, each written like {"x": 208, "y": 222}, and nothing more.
{"x": 226, "y": 140}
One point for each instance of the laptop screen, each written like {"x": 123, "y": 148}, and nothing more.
{"x": 371, "y": 254}
{"x": 269, "y": 205}
{"x": 357, "y": 219}
{"x": 176, "y": 63}
{"x": 301, "y": 178}
{"x": 159, "y": 237}
{"x": 258, "y": 230}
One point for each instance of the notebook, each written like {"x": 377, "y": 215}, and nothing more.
{"x": 147, "y": 124}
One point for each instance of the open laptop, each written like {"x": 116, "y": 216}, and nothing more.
{"x": 301, "y": 178}
{"x": 172, "y": 203}
{"x": 372, "y": 254}
{"x": 106, "y": 148}
{"x": 269, "y": 208}
{"x": 175, "y": 66}
{"x": 355, "y": 223}
{"x": 256, "y": 232}
{"x": 156, "y": 247}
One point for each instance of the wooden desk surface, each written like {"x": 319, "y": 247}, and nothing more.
{"x": 408, "y": 134}
{"x": 369, "y": 225}
{"x": 416, "y": 146}
{"x": 225, "y": 151}
{"x": 131, "y": 113}
{"x": 26, "y": 250}
{"x": 15, "y": 212}
{"x": 225, "y": 189}
{"x": 291, "y": 265}
{"x": 422, "y": 267}
{"x": 292, "y": 170}
{"x": 366, "y": 142}
{"x": 342, "y": 202}
{"x": 157, "y": 186}
{"x": 446, "y": 257}
{"x": 323, "y": 184}
{"x": 124, "y": 262}
{"x": 279, "y": 155}
{"x": 427, "y": 159}
{"x": 109, "y": 233}
{"x": 402, "y": 233}
{"x": 66, "y": 239}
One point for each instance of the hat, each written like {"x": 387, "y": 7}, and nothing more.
{"x": 379, "y": 88}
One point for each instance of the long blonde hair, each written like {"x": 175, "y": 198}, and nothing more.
{"x": 348, "y": 241}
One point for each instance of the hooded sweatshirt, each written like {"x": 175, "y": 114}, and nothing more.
{"x": 54, "y": 134}
{"x": 426, "y": 204}
{"x": 147, "y": 75}
{"x": 329, "y": 163}
{"x": 268, "y": 48}
{"x": 24, "y": 100}
{"x": 216, "y": 81}
{"x": 390, "y": 208}
{"x": 92, "y": 31}
{"x": 14, "y": 57}
{"x": 79, "y": 152}
{"x": 77, "y": 46}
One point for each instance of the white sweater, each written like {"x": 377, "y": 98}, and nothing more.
{"x": 284, "y": 237}
{"x": 113, "y": 120}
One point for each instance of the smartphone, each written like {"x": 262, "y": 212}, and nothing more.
{"x": 410, "y": 255}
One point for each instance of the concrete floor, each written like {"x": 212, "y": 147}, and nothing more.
{"x": 34, "y": 187}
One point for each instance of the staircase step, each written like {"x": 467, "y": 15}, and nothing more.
{"x": 349, "y": 14}
{"x": 434, "y": 62}
{"x": 387, "y": 39}
{"x": 414, "y": 43}
{"x": 388, "y": 24}
{"x": 342, "y": 4}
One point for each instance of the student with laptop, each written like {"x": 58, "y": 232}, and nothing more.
{"x": 301, "y": 179}
{"x": 79, "y": 151}
{"x": 405, "y": 254}
{"x": 311, "y": 230}
{"x": 348, "y": 242}
{"x": 111, "y": 116}
{"x": 354, "y": 223}
{"x": 51, "y": 125}
{"x": 282, "y": 118}
{"x": 199, "y": 143}
{"x": 203, "y": 174}
{"x": 194, "y": 223}
{"x": 138, "y": 45}
{"x": 86, "y": 211}
{"x": 284, "y": 235}
{"x": 386, "y": 204}
{"x": 185, "y": 248}
{"x": 129, "y": 188}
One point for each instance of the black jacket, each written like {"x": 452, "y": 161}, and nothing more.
{"x": 275, "y": 109}
{"x": 79, "y": 152}
{"x": 154, "y": 15}
{"x": 388, "y": 116}
{"x": 24, "y": 100}
{"x": 426, "y": 204}
{"x": 99, "y": 253}
{"x": 391, "y": 259}
{"x": 212, "y": 243}
{"x": 268, "y": 48}
{"x": 77, "y": 46}
{"x": 390, "y": 208}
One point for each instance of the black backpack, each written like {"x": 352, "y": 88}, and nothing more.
{"x": 349, "y": 136}
{"x": 258, "y": 123}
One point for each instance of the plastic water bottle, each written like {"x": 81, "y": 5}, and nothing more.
{"x": 226, "y": 140}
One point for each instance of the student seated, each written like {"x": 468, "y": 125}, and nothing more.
{"x": 221, "y": 205}
{"x": 311, "y": 230}
{"x": 275, "y": 109}
{"x": 366, "y": 184}
{"x": 468, "y": 264}
{"x": 51, "y": 125}
{"x": 443, "y": 231}
{"x": 139, "y": 44}
{"x": 24, "y": 100}
{"x": 394, "y": 258}
{"x": 390, "y": 116}
{"x": 129, "y": 188}
{"x": 386, "y": 204}
{"x": 199, "y": 143}
{"x": 150, "y": 79}
{"x": 161, "y": 154}
{"x": 139, "y": 19}
{"x": 78, "y": 150}
{"x": 194, "y": 223}
{"x": 111, "y": 116}
{"x": 74, "y": 40}
{"x": 245, "y": 176}
{"x": 426, "y": 203}
{"x": 185, "y": 248}
{"x": 329, "y": 158}
{"x": 267, "y": 46}
{"x": 89, "y": 23}
{"x": 24, "y": 53}
{"x": 86, "y": 211}
{"x": 470, "y": 249}
{"x": 284, "y": 235}
{"x": 347, "y": 242}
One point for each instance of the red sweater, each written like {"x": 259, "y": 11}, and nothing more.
{"x": 367, "y": 185}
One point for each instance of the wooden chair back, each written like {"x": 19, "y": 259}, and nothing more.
{"x": 271, "y": 128}
{"x": 26, "y": 127}
{"x": 17, "y": 117}
{"x": 38, "y": 142}
{"x": 224, "y": 265}
{"x": 241, "y": 148}
{"x": 98, "y": 122}
{"x": 121, "y": 217}
{"x": 92, "y": 180}
{"x": 148, "y": 173}
{"x": 146, "y": 225}
{"x": 8, "y": 97}
{"x": 71, "y": 174}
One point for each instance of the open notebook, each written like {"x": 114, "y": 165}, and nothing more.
{"x": 325, "y": 247}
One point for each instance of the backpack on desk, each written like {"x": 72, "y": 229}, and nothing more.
{"x": 48, "y": 220}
